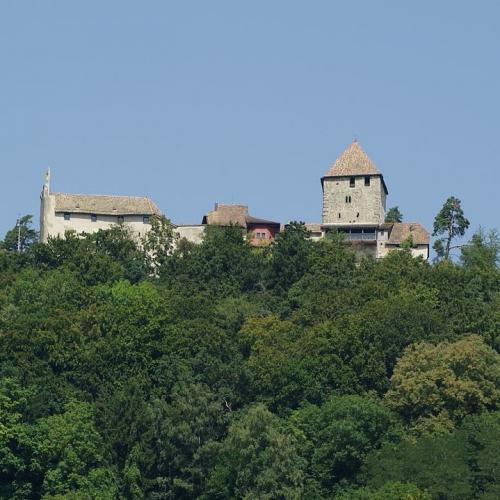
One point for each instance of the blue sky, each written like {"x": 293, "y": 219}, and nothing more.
{"x": 194, "y": 102}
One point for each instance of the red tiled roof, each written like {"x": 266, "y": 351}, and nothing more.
{"x": 353, "y": 161}
{"x": 226, "y": 215}
{"x": 401, "y": 231}
{"x": 229, "y": 214}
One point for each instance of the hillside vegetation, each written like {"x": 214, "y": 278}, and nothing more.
{"x": 221, "y": 371}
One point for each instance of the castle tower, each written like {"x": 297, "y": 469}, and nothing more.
{"x": 354, "y": 191}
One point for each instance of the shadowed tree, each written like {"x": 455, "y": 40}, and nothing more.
{"x": 436, "y": 464}
{"x": 290, "y": 256}
{"x": 393, "y": 215}
{"x": 336, "y": 437}
{"x": 257, "y": 460}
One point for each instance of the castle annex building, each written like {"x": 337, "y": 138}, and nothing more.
{"x": 83, "y": 213}
{"x": 354, "y": 203}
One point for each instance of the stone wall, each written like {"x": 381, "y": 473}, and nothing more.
{"x": 193, "y": 233}
{"x": 416, "y": 251}
{"x": 366, "y": 204}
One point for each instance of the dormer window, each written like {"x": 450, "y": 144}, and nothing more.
{"x": 367, "y": 180}
{"x": 352, "y": 181}
{"x": 67, "y": 216}
{"x": 121, "y": 219}
{"x": 145, "y": 219}
{"x": 93, "y": 217}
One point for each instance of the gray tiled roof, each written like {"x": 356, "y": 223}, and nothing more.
{"x": 257, "y": 220}
{"x": 104, "y": 204}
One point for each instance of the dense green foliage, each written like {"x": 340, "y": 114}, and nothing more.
{"x": 21, "y": 236}
{"x": 220, "y": 371}
{"x": 394, "y": 215}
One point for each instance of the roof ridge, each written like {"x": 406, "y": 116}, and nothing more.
{"x": 409, "y": 223}
{"x": 102, "y": 195}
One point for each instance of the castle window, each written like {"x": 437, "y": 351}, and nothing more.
{"x": 352, "y": 181}
{"x": 121, "y": 219}
{"x": 348, "y": 199}
{"x": 93, "y": 217}
{"x": 339, "y": 216}
{"x": 67, "y": 216}
{"x": 145, "y": 219}
{"x": 357, "y": 215}
{"x": 367, "y": 180}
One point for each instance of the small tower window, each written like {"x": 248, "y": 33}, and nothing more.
{"x": 93, "y": 217}
{"x": 352, "y": 181}
{"x": 145, "y": 219}
{"x": 121, "y": 219}
{"x": 339, "y": 216}
{"x": 67, "y": 216}
{"x": 348, "y": 199}
{"x": 367, "y": 180}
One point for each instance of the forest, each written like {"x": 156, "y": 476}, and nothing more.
{"x": 165, "y": 370}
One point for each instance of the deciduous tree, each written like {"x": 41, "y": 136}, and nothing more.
{"x": 482, "y": 252}
{"x": 435, "y": 386}
{"x": 258, "y": 459}
{"x": 336, "y": 437}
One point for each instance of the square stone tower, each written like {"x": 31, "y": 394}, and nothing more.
{"x": 354, "y": 191}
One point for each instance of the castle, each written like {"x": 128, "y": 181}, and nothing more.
{"x": 354, "y": 204}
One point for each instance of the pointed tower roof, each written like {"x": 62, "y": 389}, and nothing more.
{"x": 353, "y": 161}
